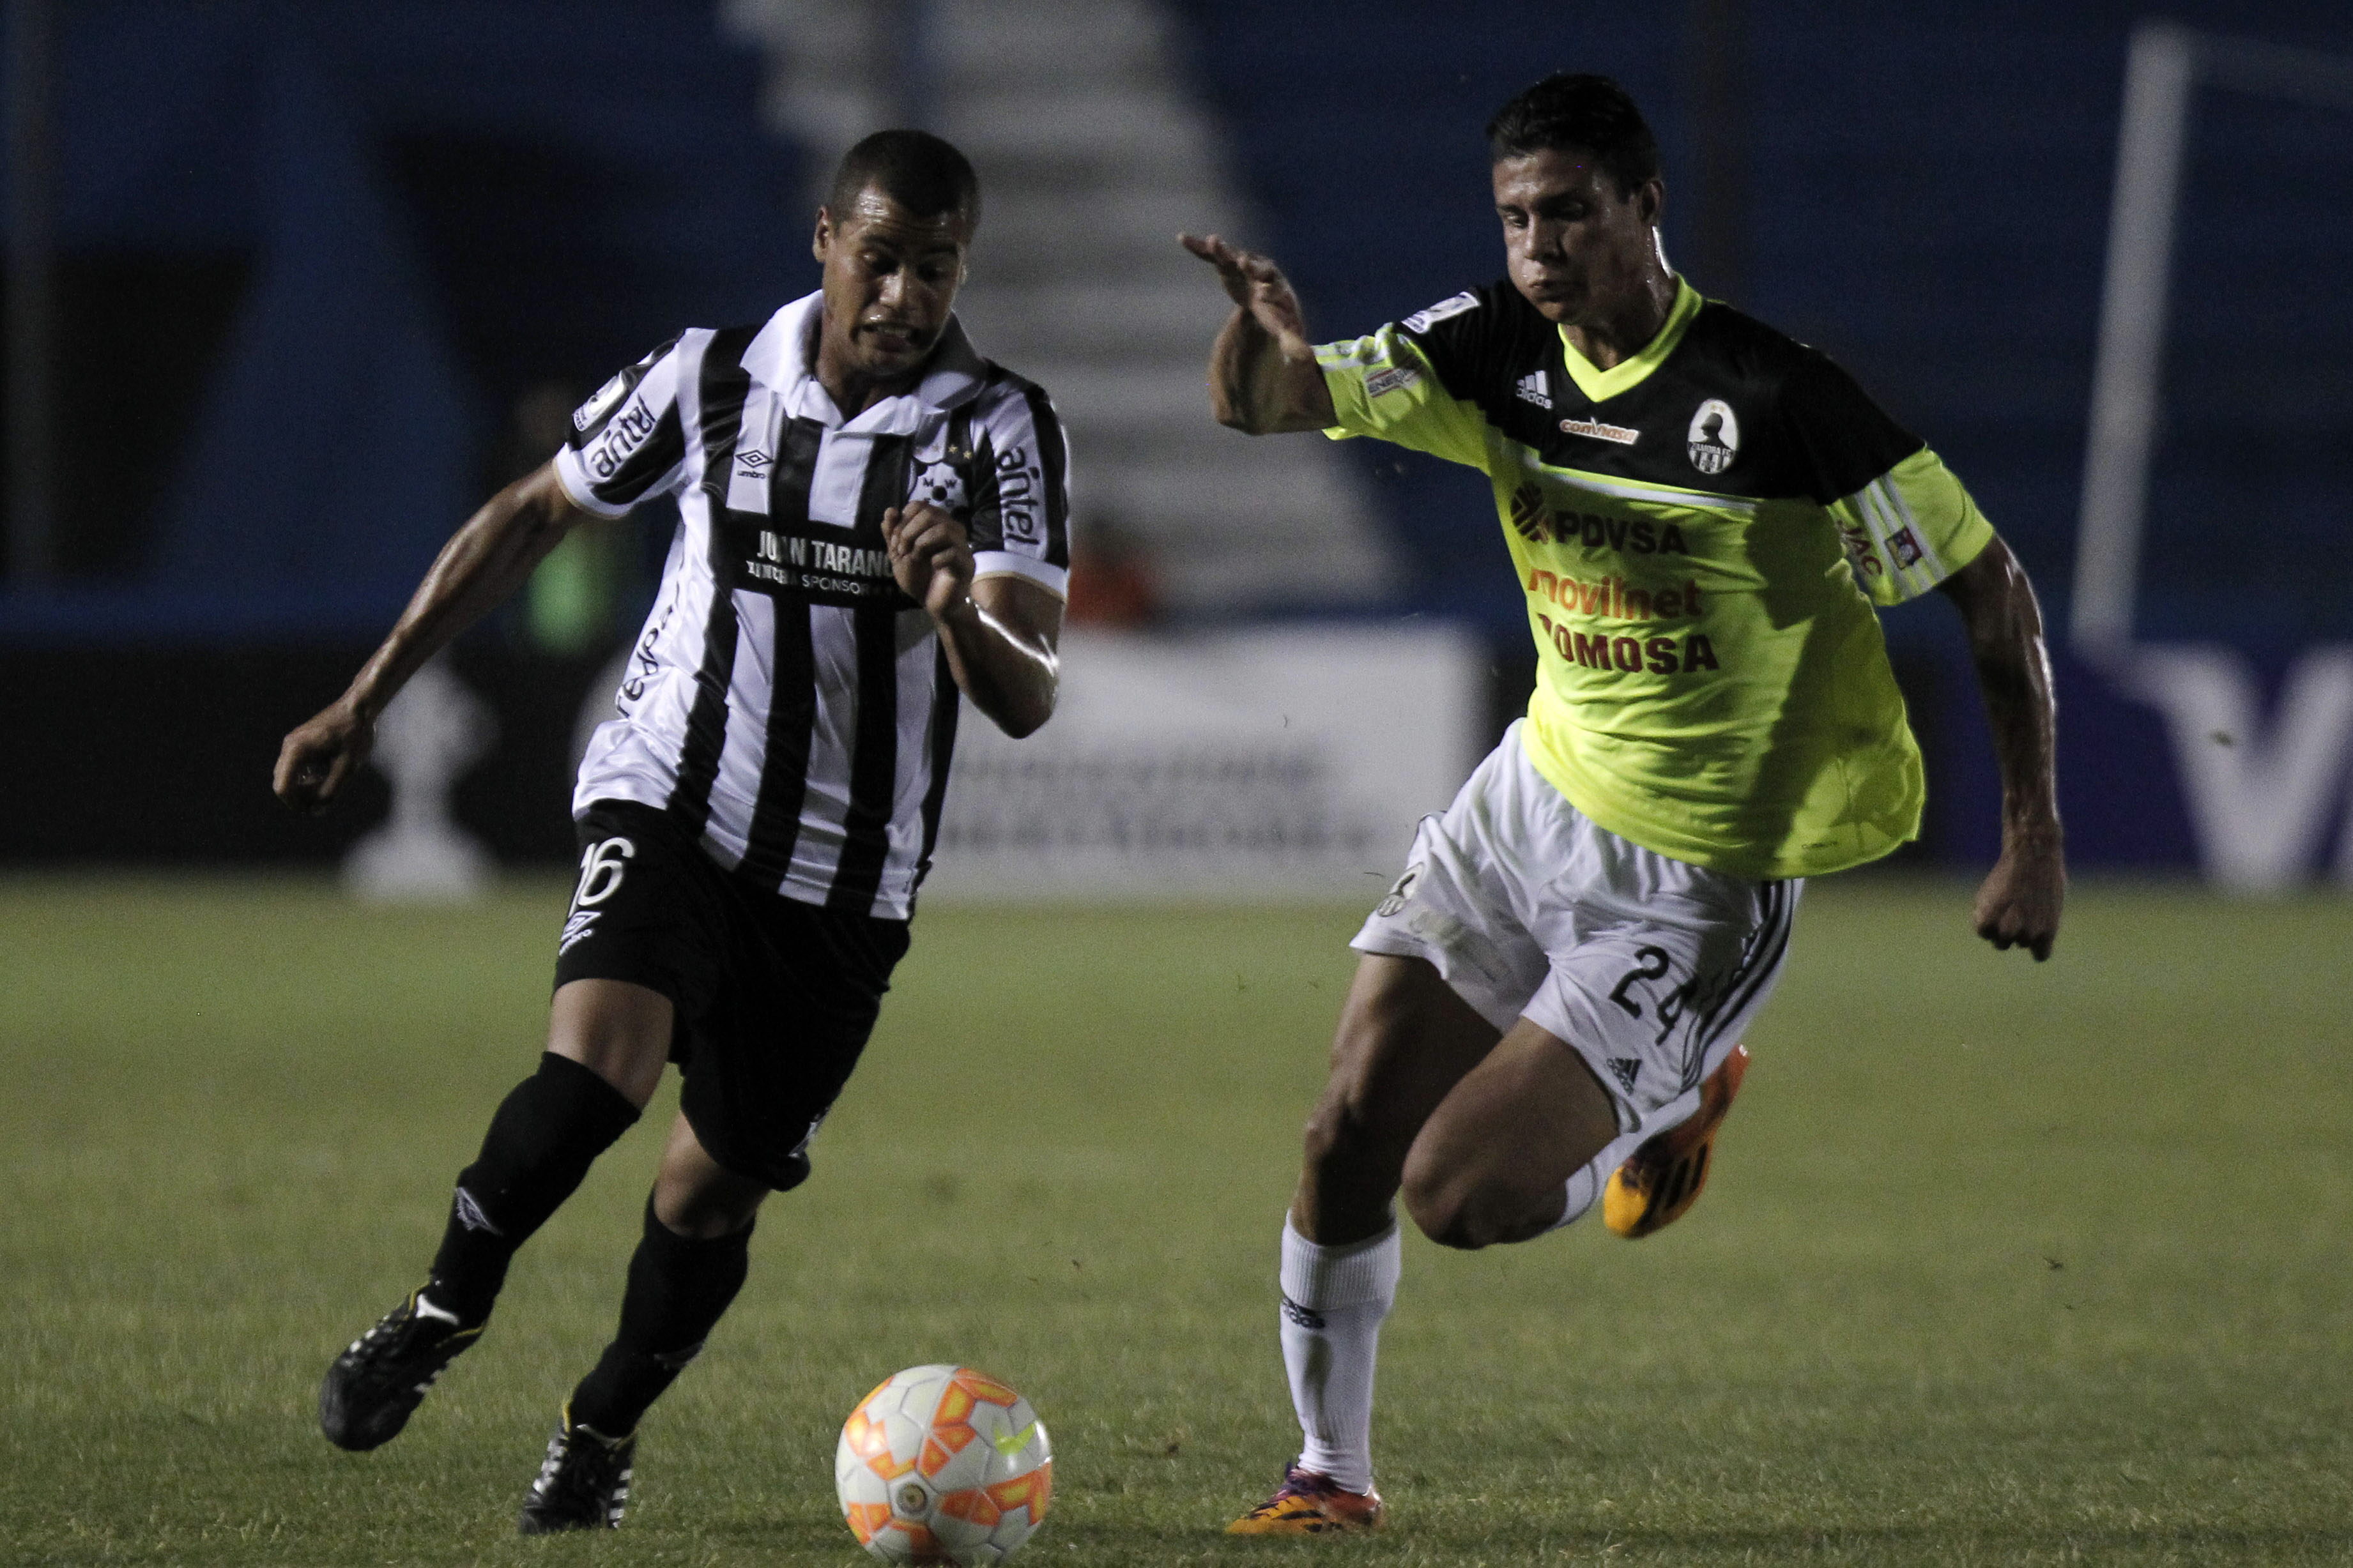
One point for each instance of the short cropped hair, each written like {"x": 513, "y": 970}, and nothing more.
{"x": 915, "y": 169}
{"x": 1581, "y": 112}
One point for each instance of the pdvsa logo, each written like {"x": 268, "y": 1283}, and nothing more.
{"x": 1714, "y": 439}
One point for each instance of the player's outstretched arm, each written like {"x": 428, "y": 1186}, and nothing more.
{"x": 2018, "y": 905}
{"x": 1264, "y": 378}
{"x": 484, "y": 562}
{"x": 1001, "y": 633}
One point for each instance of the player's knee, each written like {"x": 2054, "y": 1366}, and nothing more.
{"x": 703, "y": 1214}
{"x": 694, "y": 1197}
{"x": 1448, "y": 1216}
{"x": 1466, "y": 1210}
{"x": 1444, "y": 1206}
{"x": 620, "y": 1031}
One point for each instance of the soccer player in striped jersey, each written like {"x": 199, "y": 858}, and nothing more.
{"x": 1702, "y": 515}
{"x": 873, "y": 532}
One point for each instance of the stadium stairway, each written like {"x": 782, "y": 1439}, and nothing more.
{"x": 1095, "y": 151}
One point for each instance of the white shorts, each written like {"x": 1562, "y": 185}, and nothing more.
{"x": 1649, "y": 968}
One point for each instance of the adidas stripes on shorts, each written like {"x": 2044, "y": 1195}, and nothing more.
{"x": 1650, "y": 968}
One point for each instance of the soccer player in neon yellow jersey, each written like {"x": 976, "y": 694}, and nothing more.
{"x": 1702, "y": 515}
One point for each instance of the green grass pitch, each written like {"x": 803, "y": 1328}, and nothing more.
{"x": 2000, "y": 1264}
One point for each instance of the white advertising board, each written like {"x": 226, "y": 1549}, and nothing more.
{"x": 1253, "y": 765}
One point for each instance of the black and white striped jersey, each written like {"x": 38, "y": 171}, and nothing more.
{"x": 785, "y": 701}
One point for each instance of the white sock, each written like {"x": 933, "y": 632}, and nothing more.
{"x": 1334, "y": 1298}
{"x": 1585, "y": 1188}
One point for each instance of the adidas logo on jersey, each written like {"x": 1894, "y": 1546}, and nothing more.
{"x": 1536, "y": 388}
{"x": 1625, "y": 1070}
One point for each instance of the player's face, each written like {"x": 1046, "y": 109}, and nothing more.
{"x": 1580, "y": 249}
{"x": 890, "y": 278}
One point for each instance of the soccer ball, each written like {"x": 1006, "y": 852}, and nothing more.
{"x": 943, "y": 1464}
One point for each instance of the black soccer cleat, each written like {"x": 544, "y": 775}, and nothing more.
{"x": 583, "y": 1482}
{"x": 373, "y": 1388}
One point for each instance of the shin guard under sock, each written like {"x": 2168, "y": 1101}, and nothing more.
{"x": 1334, "y": 1298}
{"x": 679, "y": 1285}
{"x": 546, "y": 1133}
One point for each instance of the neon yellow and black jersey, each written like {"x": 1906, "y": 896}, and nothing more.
{"x": 1701, "y": 532}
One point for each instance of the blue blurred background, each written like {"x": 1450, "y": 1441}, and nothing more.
{"x": 325, "y": 274}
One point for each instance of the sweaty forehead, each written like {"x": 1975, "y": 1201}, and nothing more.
{"x": 1550, "y": 171}
{"x": 874, "y": 218}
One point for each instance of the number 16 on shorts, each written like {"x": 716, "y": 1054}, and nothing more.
{"x": 602, "y": 866}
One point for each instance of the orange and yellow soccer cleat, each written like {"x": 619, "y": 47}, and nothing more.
{"x": 1665, "y": 1175}
{"x": 1310, "y": 1504}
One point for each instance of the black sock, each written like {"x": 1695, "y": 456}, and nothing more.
{"x": 548, "y": 1130}
{"x": 678, "y": 1287}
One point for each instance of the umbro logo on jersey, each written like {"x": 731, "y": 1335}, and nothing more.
{"x": 1714, "y": 438}
{"x": 1625, "y": 1070}
{"x": 1600, "y": 432}
{"x": 754, "y": 462}
{"x": 1535, "y": 387}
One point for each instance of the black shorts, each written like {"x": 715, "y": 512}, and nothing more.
{"x": 774, "y": 998}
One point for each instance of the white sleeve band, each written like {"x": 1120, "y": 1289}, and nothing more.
{"x": 1055, "y": 579}
{"x": 576, "y": 488}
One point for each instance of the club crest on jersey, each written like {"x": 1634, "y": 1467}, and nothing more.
{"x": 939, "y": 485}
{"x": 1715, "y": 437}
{"x": 1422, "y": 320}
{"x": 1535, "y": 387}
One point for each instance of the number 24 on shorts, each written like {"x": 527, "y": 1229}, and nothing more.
{"x": 1651, "y": 963}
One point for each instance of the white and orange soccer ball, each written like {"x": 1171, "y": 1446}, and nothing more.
{"x": 943, "y": 1464}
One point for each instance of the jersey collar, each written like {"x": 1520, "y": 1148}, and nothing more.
{"x": 783, "y": 356}
{"x": 1599, "y": 385}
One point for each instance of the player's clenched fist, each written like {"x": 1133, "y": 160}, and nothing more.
{"x": 2018, "y": 905}
{"x": 316, "y": 759}
{"x": 929, "y": 556}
